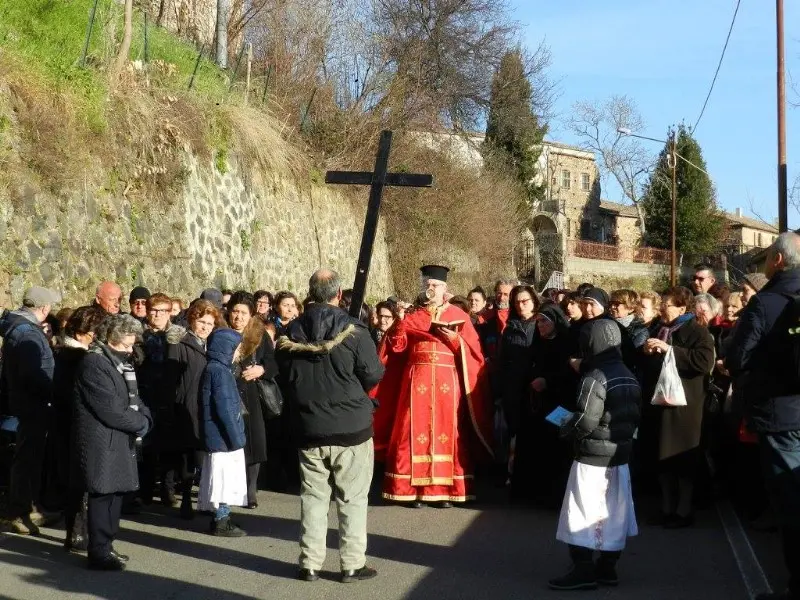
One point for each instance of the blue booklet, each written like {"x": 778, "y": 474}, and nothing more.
{"x": 559, "y": 417}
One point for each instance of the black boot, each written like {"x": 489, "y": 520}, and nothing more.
{"x": 581, "y": 576}
{"x": 606, "y": 568}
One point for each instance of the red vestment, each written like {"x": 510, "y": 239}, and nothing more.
{"x": 434, "y": 417}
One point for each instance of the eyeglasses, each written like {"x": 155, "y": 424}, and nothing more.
{"x": 159, "y": 311}
{"x": 140, "y": 302}
{"x": 262, "y": 303}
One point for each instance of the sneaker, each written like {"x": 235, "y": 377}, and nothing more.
{"x": 226, "y": 528}
{"x": 580, "y": 577}
{"x": 20, "y": 526}
{"x": 353, "y": 575}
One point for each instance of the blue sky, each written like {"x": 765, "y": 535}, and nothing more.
{"x": 662, "y": 54}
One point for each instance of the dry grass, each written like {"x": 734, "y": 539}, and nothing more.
{"x": 260, "y": 140}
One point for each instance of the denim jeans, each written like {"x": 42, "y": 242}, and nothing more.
{"x": 223, "y": 511}
{"x": 780, "y": 456}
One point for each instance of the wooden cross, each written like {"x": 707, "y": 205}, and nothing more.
{"x": 377, "y": 180}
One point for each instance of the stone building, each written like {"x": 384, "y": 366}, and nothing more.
{"x": 745, "y": 241}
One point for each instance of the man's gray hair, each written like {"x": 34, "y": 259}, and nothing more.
{"x": 505, "y": 281}
{"x": 788, "y": 245}
{"x": 324, "y": 286}
{"x": 115, "y": 328}
{"x": 714, "y": 304}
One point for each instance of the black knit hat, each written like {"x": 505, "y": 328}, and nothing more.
{"x": 437, "y": 272}
{"x": 139, "y": 293}
{"x": 597, "y": 294}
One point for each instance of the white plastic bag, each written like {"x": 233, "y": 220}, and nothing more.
{"x": 669, "y": 389}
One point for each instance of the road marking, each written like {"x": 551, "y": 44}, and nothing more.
{"x": 753, "y": 576}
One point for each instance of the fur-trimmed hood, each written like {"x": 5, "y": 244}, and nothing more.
{"x": 175, "y": 334}
{"x": 318, "y": 331}
{"x": 320, "y": 347}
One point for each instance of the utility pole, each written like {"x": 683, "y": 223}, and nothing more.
{"x": 783, "y": 212}
{"x": 673, "y": 160}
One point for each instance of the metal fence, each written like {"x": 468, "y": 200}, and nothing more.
{"x": 598, "y": 251}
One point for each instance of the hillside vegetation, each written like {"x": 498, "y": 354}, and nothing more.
{"x": 65, "y": 122}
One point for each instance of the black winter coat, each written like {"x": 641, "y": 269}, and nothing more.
{"x": 694, "y": 356}
{"x": 759, "y": 356}
{"x": 186, "y": 359}
{"x": 255, "y": 422}
{"x": 106, "y": 427}
{"x": 328, "y": 364}
{"x": 515, "y": 368}
{"x": 28, "y": 364}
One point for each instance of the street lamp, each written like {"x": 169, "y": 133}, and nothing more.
{"x": 672, "y": 163}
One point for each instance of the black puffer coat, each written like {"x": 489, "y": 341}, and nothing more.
{"x": 186, "y": 359}
{"x": 106, "y": 427}
{"x": 607, "y": 412}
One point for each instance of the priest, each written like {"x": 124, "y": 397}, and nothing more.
{"x": 434, "y": 418}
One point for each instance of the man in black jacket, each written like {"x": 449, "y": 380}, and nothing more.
{"x": 761, "y": 358}
{"x": 27, "y": 381}
{"x": 328, "y": 364}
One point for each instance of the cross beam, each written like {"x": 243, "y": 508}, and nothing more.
{"x": 376, "y": 180}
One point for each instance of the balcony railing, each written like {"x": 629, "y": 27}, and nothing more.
{"x": 548, "y": 206}
{"x": 598, "y": 251}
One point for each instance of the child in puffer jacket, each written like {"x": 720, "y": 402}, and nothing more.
{"x": 224, "y": 473}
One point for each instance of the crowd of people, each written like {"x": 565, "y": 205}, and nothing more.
{"x": 552, "y": 391}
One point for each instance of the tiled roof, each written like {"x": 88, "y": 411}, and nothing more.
{"x": 564, "y": 146}
{"x": 623, "y": 210}
{"x": 750, "y": 222}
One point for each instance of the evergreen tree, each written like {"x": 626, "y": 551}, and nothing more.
{"x": 699, "y": 223}
{"x": 513, "y": 132}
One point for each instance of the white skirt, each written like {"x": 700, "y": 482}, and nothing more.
{"x": 223, "y": 480}
{"x": 598, "y": 511}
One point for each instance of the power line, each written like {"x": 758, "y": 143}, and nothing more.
{"x": 713, "y": 81}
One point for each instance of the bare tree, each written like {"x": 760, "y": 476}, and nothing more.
{"x": 443, "y": 55}
{"x": 125, "y": 47}
{"x": 621, "y": 156}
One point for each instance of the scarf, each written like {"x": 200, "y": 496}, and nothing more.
{"x": 201, "y": 343}
{"x": 124, "y": 368}
{"x": 666, "y": 331}
{"x": 626, "y": 321}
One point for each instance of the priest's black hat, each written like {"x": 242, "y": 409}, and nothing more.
{"x": 435, "y": 272}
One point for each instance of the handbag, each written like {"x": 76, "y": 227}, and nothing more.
{"x": 269, "y": 394}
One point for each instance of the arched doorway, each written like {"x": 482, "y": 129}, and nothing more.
{"x": 539, "y": 251}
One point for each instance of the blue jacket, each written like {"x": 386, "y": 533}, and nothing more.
{"x": 222, "y": 421}
{"x": 28, "y": 364}
{"x": 758, "y": 357}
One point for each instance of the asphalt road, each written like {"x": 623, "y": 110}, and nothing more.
{"x": 487, "y": 550}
